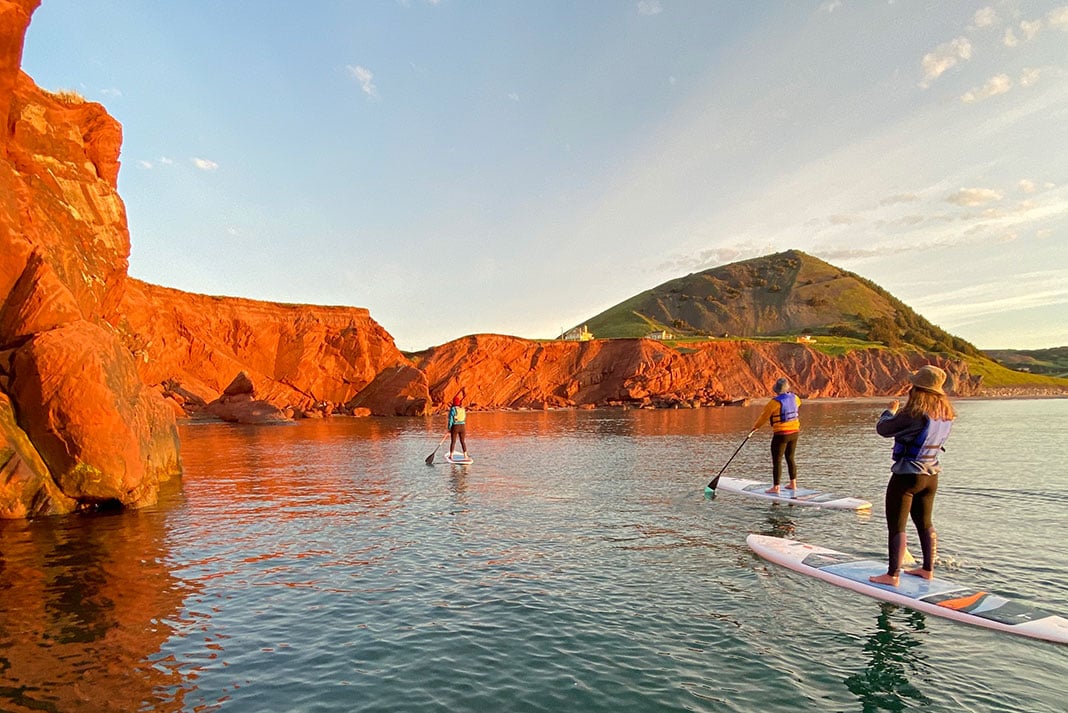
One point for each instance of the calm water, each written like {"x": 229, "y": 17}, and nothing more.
{"x": 576, "y": 566}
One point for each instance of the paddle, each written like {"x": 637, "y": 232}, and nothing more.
{"x": 715, "y": 481}
{"x": 430, "y": 458}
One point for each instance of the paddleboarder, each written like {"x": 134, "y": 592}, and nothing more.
{"x": 782, "y": 413}
{"x": 457, "y": 425}
{"x": 919, "y": 431}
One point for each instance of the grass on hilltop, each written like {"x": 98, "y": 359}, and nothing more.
{"x": 67, "y": 96}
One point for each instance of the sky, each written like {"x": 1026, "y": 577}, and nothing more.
{"x": 461, "y": 167}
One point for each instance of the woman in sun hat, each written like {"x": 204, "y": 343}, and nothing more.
{"x": 919, "y": 430}
{"x": 781, "y": 412}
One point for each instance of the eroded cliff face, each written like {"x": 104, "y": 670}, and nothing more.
{"x": 78, "y": 428}
{"x": 304, "y": 360}
{"x": 96, "y": 367}
{"x": 506, "y": 372}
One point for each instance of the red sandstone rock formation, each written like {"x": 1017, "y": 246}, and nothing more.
{"x": 79, "y": 428}
{"x": 499, "y": 371}
{"x": 85, "y": 352}
{"x": 302, "y": 359}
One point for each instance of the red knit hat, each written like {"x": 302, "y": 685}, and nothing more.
{"x": 456, "y": 400}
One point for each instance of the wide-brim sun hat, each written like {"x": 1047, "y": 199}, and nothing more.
{"x": 929, "y": 378}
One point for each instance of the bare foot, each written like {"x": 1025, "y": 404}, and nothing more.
{"x": 920, "y": 572}
{"x": 773, "y": 491}
{"x": 793, "y": 485}
{"x": 884, "y": 579}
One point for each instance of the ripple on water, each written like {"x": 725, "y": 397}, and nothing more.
{"x": 575, "y": 567}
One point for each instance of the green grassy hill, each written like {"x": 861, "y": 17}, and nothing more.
{"x": 781, "y": 295}
{"x": 1051, "y": 362}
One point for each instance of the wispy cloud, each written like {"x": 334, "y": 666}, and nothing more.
{"x": 993, "y": 86}
{"x": 1058, "y": 17}
{"x": 365, "y": 77}
{"x": 1029, "y": 76}
{"x": 713, "y": 257}
{"x": 204, "y": 164}
{"x": 899, "y": 198}
{"x": 970, "y": 197}
{"x": 1015, "y": 292}
{"x": 1027, "y": 29}
{"x": 162, "y": 161}
{"x": 834, "y": 254}
{"x": 944, "y": 58}
{"x": 985, "y": 17}
{"x": 649, "y": 7}
{"x": 905, "y": 221}
{"x": 829, "y": 6}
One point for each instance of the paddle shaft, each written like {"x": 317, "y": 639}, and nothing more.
{"x": 715, "y": 481}
{"x": 430, "y": 458}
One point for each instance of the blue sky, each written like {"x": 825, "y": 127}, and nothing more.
{"x": 467, "y": 167}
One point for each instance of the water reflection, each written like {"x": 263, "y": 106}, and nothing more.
{"x": 779, "y": 522}
{"x": 324, "y": 565}
{"x": 612, "y": 422}
{"x": 86, "y": 605}
{"x": 893, "y": 654}
{"x": 458, "y": 480}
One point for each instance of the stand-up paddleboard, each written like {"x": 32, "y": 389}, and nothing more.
{"x": 801, "y": 496}
{"x": 938, "y": 597}
{"x": 458, "y": 459}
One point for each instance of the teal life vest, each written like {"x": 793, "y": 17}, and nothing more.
{"x": 458, "y": 415}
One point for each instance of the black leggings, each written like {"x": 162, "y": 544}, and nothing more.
{"x": 910, "y": 494}
{"x": 783, "y": 444}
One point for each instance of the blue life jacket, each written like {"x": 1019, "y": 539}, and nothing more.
{"x": 925, "y": 446}
{"x": 787, "y": 408}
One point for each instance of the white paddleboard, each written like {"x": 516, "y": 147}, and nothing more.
{"x": 801, "y": 496}
{"x": 458, "y": 459}
{"x": 938, "y": 597}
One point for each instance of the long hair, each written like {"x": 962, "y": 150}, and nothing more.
{"x": 927, "y": 403}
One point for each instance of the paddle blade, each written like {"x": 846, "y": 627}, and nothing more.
{"x": 712, "y": 485}
{"x": 430, "y": 459}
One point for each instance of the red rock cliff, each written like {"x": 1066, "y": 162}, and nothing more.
{"x": 300, "y": 358}
{"x": 78, "y": 428}
{"x": 498, "y": 371}
{"x": 86, "y": 352}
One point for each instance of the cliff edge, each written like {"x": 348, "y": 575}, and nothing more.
{"x": 78, "y": 427}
